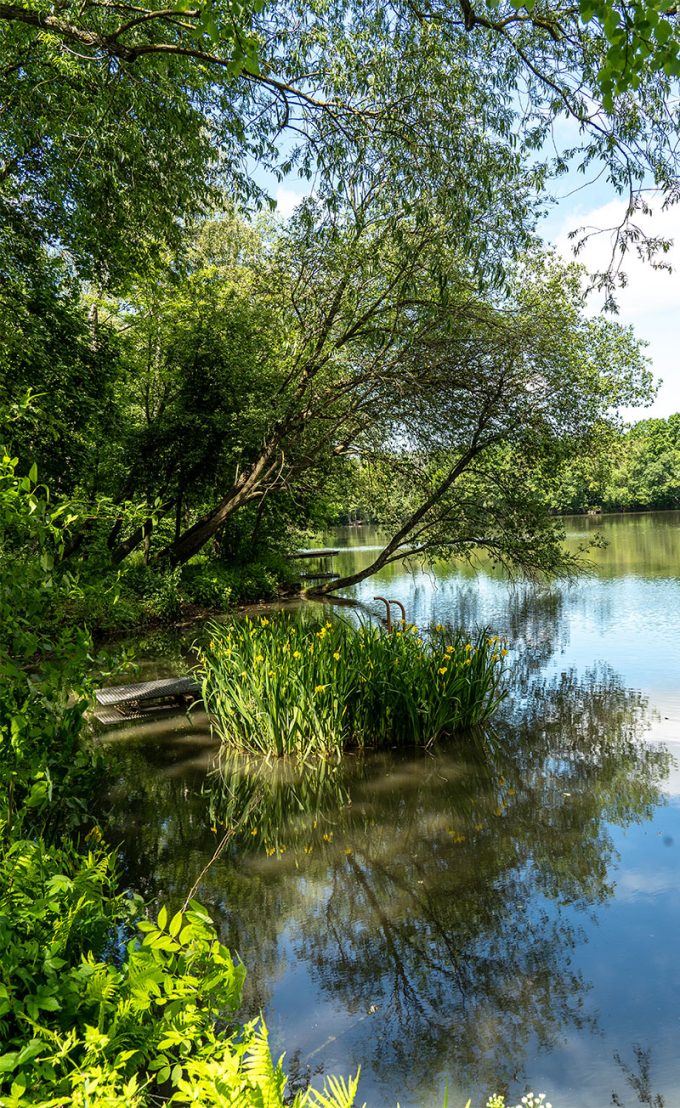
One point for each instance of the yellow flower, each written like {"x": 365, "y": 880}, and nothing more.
{"x": 449, "y": 650}
{"x": 336, "y": 655}
{"x": 504, "y": 653}
{"x": 328, "y": 837}
{"x": 271, "y": 850}
{"x": 320, "y": 634}
{"x": 297, "y": 654}
{"x": 264, "y": 622}
{"x": 439, "y": 627}
{"x": 468, "y": 647}
{"x": 254, "y": 831}
{"x": 320, "y": 688}
{"x": 308, "y": 849}
{"x": 328, "y": 626}
{"x": 272, "y": 673}
{"x": 243, "y": 673}
{"x": 495, "y": 658}
{"x": 348, "y": 850}
{"x": 467, "y": 662}
{"x": 259, "y": 658}
{"x": 442, "y": 669}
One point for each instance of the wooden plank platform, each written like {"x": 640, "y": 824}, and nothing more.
{"x": 147, "y": 690}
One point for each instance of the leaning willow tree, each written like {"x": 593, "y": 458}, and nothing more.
{"x": 359, "y": 340}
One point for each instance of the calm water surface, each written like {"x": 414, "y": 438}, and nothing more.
{"x": 502, "y": 914}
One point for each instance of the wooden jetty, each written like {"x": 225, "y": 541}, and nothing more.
{"x": 319, "y": 553}
{"x": 121, "y": 702}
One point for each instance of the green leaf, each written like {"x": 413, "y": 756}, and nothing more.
{"x": 175, "y": 924}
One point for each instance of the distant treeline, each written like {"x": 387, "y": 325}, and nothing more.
{"x": 636, "y": 470}
{"x": 639, "y": 472}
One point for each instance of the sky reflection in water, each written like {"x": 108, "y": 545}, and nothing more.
{"x": 502, "y": 913}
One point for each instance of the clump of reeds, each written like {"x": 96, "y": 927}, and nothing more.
{"x": 281, "y": 687}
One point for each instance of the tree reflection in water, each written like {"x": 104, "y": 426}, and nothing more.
{"x": 443, "y": 893}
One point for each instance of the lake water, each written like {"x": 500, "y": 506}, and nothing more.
{"x": 502, "y": 914}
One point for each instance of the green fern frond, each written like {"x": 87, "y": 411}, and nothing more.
{"x": 336, "y": 1093}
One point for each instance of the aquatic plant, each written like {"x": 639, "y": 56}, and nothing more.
{"x": 280, "y": 687}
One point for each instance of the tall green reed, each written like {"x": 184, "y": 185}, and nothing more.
{"x": 279, "y": 687}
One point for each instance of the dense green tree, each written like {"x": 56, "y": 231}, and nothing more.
{"x": 50, "y": 348}
{"x": 270, "y": 364}
{"x": 121, "y": 121}
{"x": 646, "y": 472}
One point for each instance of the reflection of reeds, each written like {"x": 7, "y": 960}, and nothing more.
{"x": 268, "y": 803}
{"x": 280, "y": 687}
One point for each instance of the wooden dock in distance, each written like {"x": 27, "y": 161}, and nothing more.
{"x": 321, "y": 553}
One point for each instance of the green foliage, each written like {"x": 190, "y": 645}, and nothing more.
{"x": 83, "y": 1019}
{"x": 635, "y": 470}
{"x": 219, "y": 586}
{"x": 640, "y": 37}
{"x": 645, "y": 472}
{"x": 98, "y": 1005}
{"x": 147, "y": 595}
{"x": 40, "y": 664}
{"x": 48, "y": 348}
{"x": 280, "y": 687}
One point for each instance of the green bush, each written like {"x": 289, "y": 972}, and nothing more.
{"x": 209, "y": 584}
{"x": 280, "y": 687}
{"x": 158, "y": 592}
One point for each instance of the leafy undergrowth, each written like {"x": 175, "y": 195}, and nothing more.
{"x": 279, "y": 687}
{"x": 145, "y": 1020}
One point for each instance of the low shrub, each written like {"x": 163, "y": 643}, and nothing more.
{"x": 208, "y": 584}
{"x": 143, "y": 595}
{"x": 279, "y": 687}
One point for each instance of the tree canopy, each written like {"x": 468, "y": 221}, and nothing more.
{"x": 111, "y": 108}
{"x": 205, "y": 371}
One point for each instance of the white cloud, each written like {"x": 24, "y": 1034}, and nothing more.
{"x": 287, "y": 201}
{"x": 651, "y": 299}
